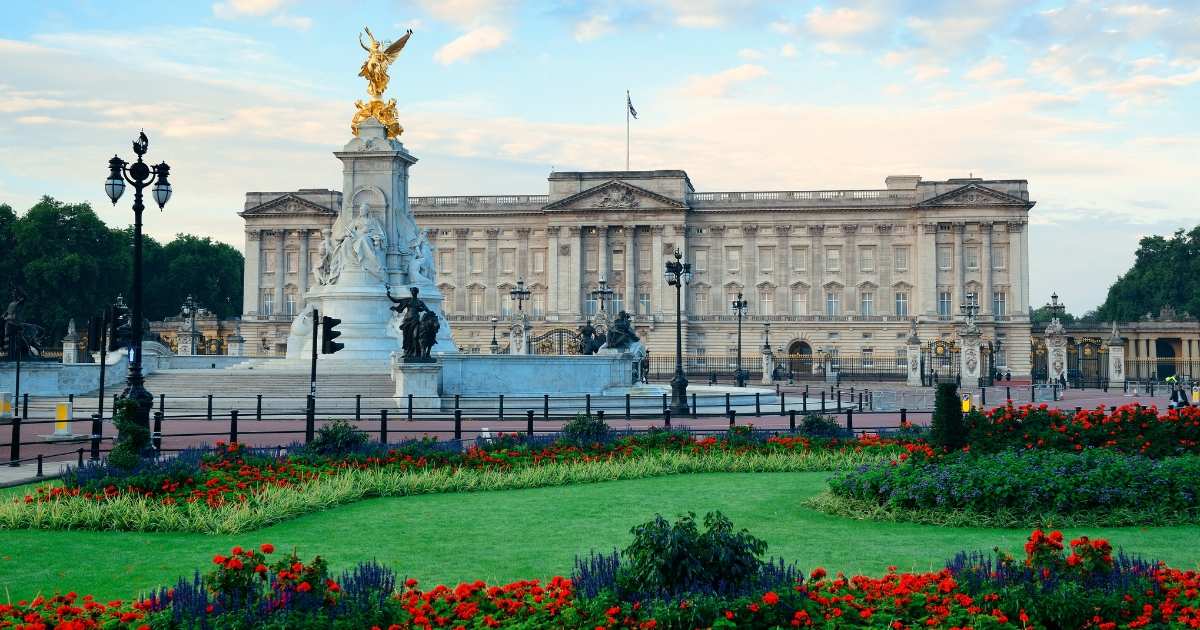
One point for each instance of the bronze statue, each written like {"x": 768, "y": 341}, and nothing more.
{"x": 428, "y": 329}
{"x": 588, "y": 343}
{"x": 10, "y": 323}
{"x": 410, "y": 309}
{"x": 620, "y": 334}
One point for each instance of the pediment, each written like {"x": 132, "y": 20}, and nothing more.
{"x": 616, "y": 195}
{"x": 288, "y": 204}
{"x": 974, "y": 195}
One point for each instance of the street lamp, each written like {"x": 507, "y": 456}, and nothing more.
{"x": 520, "y": 294}
{"x": 739, "y": 308}
{"x": 603, "y": 294}
{"x": 767, "y": 337}
{"x": 970, "y": 307}
{"x": 140, "y": 175}
{"x": 678, "y": 273}
{"x": 495, "y": 342}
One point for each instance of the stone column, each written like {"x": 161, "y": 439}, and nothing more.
{"x": 492, "y": 297}
{"x": 912, "y": 355}
{"x": 750, "y": 264}
{"x": 1015, "y": 280}
{"x": 576, "y": 272}
{"x": 768, "y": 365}
{"x": 985, "y": 263}
{"x": 849, "y": 265}
{"x": 631, "y": 274}
{"x": 927, "y": 268}
{"x": 1024, "y": 295}
{"x": 552, "y": 275}
{"x": 461, "y": 275}
{"x": 719, "y": 270}
{"x": 304, "y": 270}
{"x": 657, "y": 265}
{"x": 1116, "y": 359}
{"x": 783, "y": 271}
{"x": 252, "y": 275}
{"x": 603, "y": 252}
{"x": 958, "y": 258}
{"x": 280, "y": 270}
{"x": 816, "y": 256}
{"x": 523, "y": 269}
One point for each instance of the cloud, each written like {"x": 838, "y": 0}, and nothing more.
{"x": 470, "y": 44}
{"x": 232, "y": 9}
{"x": 466, "y": 14}
{"x": 719, "y": 84}
{"x": 787, "y": 50}
{"x": 929, "y": 71}
{"x": 294, "y": 22}
{"x": 594, "y": 27}
{"x": 841, "y": 23}
{"x": 989, "y": 68}
{"x": 750, "y": 54}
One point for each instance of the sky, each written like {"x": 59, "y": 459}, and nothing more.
{"x": 1095, "y": 103}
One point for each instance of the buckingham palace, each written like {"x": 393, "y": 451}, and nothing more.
{"x": 841, "y": 272}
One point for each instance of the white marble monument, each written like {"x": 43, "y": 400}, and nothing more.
{"x": 1116, "y": 358}
{"x": 912, "y": 356}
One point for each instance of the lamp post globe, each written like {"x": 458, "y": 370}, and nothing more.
{"x": 141, "y": 176}
{"x": 677, "y": 274}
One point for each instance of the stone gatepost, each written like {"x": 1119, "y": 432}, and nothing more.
{"x": 970, "y": 364}
{"x": 235, "y": 346}
{"x": 519, "y": 337}
{"x": 913, "y": 356}
{"x": 71, "y": 344}
{"x": 1116, "y": 358}
{"x": 188, "y": 343}
{"x": 768, "y": 365}
{"x": 1056, "y": 350}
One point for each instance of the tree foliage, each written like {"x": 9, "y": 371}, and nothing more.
{"x": 1166, "y": 272}
{"x": 70, "y": 265}
{"x": 947, "y": 429}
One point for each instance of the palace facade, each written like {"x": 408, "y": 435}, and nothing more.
{"x": 837, "y": 271}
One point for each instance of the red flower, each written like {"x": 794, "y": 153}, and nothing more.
{"x": 267, "y": 548}
{"x": 304, "y": 587}
{"x": 770, "y": 598}
{"x": 219, "y": 559}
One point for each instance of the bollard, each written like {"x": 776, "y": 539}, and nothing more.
{"x": 80, "y": 460}
{"x": 587, "y": 405}
{"x": 600, "y": 415}
{"x": 209, "y": 415}
{"x": 822, "y": 401}
{"x": 839, "y": 398}
{"x": 860, "y": 402}
{"x": 545, "y": 406}
{"x": 258, "y": 408}
{"x": 983, "y": 398}
{"x": 1008, "y": 392}
{"x": 456, "y": 402}
{"x": 792, "y": 421}
{"x": 695, "y": 409}
{"x": 383, "y": 417}
{"x": 310, "y": 418}
{"x": 457, "y": 423}
{"x": 757, "y": 405}
{"x": 358, "y": 406}
{"x": 667, "y": 418}
{"x": 156, "y": 436}
{"x": 782, "y": 402}
{"x": 903, "y": 416}
{"x": 14, "y": 449}
{"x": 410, "y": 407}
{"x": 727, "y": 403}
{"x": 25, "y": 406}
{"x": 39, "y": 465}
{"x": 501, "y": 415}
{"x": 97, "y": 435}
{"x": 529, "y": 422}
{"x": 162, "y": 403}
{"x": 628, "y": 409}
{"x": 664, "y": 402}
{"x": 1054, "y": 392}
{"x": 732, "y": 418}
{"x": 850, "y": 420}
{"x": 233, "y": 427}
{"x": 1078, "y": 410}
{"x": 804, "y": 400}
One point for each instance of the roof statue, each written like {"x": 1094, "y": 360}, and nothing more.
{"x": 380, "y": 56}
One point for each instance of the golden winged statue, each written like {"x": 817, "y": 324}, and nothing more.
{"x": 375, "y": 71}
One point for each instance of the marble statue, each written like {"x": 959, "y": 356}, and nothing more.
{"x": 422, "y": 268}
{"x": 360, "y": 245}
{"x": 321, "y": 268}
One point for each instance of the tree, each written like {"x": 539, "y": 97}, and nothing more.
{"x": 947, "y": 429}
{"x": 1165, "y": 272}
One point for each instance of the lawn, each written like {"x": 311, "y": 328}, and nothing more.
{"x": 502, "y": 536}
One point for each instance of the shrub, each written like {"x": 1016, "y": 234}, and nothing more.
{"x": 1095, "y": 487}
{"x": 585, "y": 430}
{"x": 821, "y": 426}
{"x": 337, "y": 438}
{"x": 133, "y": 439}
{"x": 1129, "y": 429}
{"x": 947, "y": 429}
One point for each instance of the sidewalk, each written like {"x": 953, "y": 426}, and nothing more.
{"x": 27, "y": 472}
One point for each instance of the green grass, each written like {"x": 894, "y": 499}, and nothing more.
{"x": 506, "y": 535}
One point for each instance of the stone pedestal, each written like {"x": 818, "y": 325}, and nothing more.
{"x": 912, "y": 357}
{"x": 1116, "y": 359}
{"x": 188, "y": 342}
{"x": 519, "y": 338}
{"x": 235, "y": 346}
{"x": 420, "y": 380}
{"x": 768, "y": 366}
{"x": 970, "y": 360}
{"x": 71, "y": 344}
{"x": 1056, "y": 350}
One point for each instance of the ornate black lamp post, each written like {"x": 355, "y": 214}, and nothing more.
{"x": 970, "y": 307}
{"x": 678, "y": 273}
{"x": 766, "y": 336}
{"x": 739, "y": 308}
{"x": 602, "y": 293}
{"x": 495, "y": 342}
{"x": 140, "y": 175}
{"x": 520, "y": 294}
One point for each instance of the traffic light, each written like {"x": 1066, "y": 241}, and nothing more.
{"x": 119, "y": 327}
{"x": 328, "y": 334}
{"x": 95, "y": 326}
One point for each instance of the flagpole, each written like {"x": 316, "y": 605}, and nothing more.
{"x": 627, "y": 130}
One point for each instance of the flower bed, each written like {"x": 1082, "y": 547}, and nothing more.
{"x": 1055, "y": 586}
{"x": 1021, "y": 488}
{"x": 1131, "y": 429}
{"x": 232, "y": 489}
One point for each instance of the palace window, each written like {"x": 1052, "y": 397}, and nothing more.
{"x": 943, "y": 257}
{"x": 476, "y": 302}
{"x": 833, "y": 303}
{"x": 701, "y": 259}
{"x": 866, "y": 258}
{"x": 290, "y": 304}
{"x": 644, "y": 303}
{"x": 799, "y": 302}
{"x": 476, "y": 261}
{"x": 539, "y": 304}
{"x": 733, "y": 258}
{"x": 508, "y": 260}
{"x": 999, "y": 303}
{"x": 506, "y": 304}
{"x": 591, "y": 305}
{"x": 292, "y": 261}
{"x": 902, "y": 303}
{"x": 866, "y": 303}
{"x": 618, "y": 260}
{"x": 944, "y": 303}
{"x": 268, "y": 261}
{"x": 766, "y": 259}
{"x": 446, "y": 262}
{"x": 997, "y": 257}
{"x": 539, "y": 261}
{"x": 972, "y": 257}
{"x": 900, "y": 255}
{"x": 447, "y": 299}
{"x": 267, "y": 303}
{"x": 700, "y": 302}
{"x": 617, "y": 303}
{"x": 766, "y": 301}
{"x": 800, "y": 259}
{"x": 833, "y": 259}
{"x": 1000, "y": 357}
{"x": 868, "y": 357}
{"x": 591, "y": 258}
